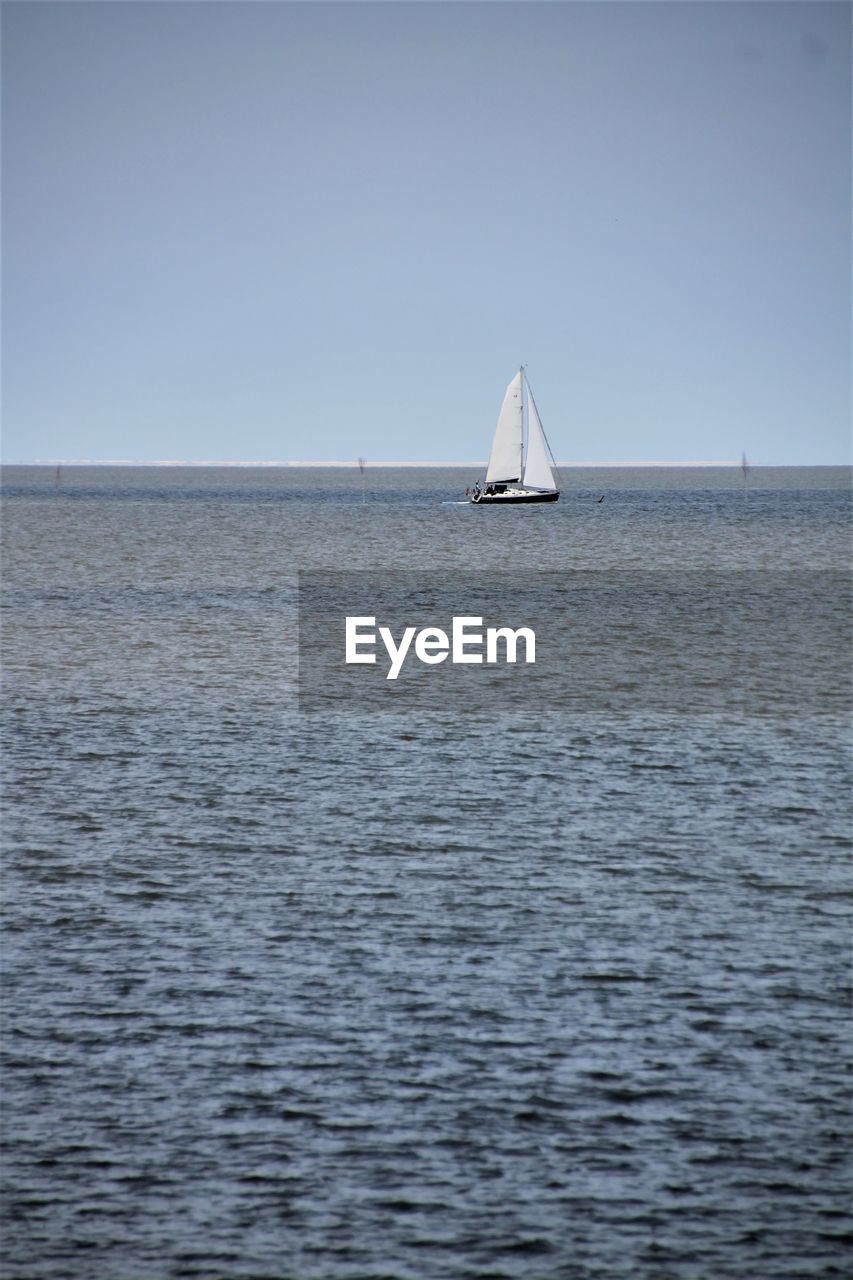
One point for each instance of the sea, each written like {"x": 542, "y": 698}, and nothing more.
{"x": 468, "y": 989}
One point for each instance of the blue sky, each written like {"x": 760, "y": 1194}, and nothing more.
{"x": 318, "y": 230}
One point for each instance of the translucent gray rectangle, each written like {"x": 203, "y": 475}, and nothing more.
{"x": 751, "y": 643}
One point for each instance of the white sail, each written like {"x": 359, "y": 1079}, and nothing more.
{"x": 537, "y": 467}
{"x": 505, "y": 459}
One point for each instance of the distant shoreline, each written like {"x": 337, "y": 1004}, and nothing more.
{"x": 438, "y": 466}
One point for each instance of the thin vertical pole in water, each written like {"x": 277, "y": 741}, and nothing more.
{"x": 361, "y": 466}
{"x": 744, "y": 466}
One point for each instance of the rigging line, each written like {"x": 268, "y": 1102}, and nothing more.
{"x": 544, "y": 434}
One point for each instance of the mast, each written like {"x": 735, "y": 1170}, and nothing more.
{"x": 523, "y": 425}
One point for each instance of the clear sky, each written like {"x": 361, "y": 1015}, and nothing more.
{"x": 318, "y": 230}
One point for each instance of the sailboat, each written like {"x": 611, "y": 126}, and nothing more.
{"x": 521, "y": 462}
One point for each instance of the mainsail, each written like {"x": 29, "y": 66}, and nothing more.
{"x": 505, "y": 459}
{"x": 537, "y": 467}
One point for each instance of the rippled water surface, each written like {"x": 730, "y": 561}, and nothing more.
{"x": 427, "y": 996}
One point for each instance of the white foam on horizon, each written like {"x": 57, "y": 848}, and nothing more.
{"x": 188, "y": 462}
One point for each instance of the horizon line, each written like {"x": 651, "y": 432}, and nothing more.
{"x": 354, "y": 465}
